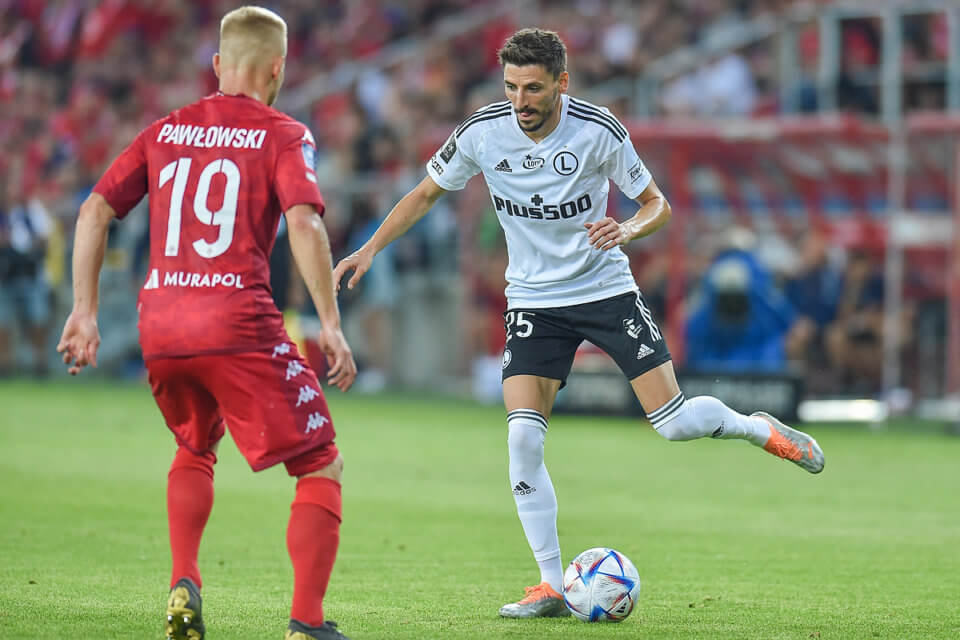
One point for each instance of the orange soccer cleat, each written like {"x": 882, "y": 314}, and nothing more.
{"x": 540, "y": 601}
{"x": 792, "y": 445}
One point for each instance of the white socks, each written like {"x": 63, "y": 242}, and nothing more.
{"x": 706, "y": 416}
{"x": 679, "y": 419}
{"x": 533, "y": 492}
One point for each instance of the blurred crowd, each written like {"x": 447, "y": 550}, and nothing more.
{"x": 819, "y": 315}
{"x": 381, "y": 83}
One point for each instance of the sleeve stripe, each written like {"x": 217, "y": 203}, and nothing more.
{"x": 495, "y": 108}
{"x": 476, "y": 120}
{"x": 586, "y": 107}
{"x": 603, "y": 124}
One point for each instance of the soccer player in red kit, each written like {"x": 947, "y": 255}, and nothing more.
{"x": 219, "y": 173}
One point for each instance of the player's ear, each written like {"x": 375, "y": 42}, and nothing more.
{"x": 216, "y": 64}
{"x": 277, "y": 68}
{"x": 563, "y": 81}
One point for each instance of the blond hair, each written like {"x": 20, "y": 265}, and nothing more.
{"x": 251, "y": 37}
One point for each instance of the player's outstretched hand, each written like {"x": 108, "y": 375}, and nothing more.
{"x": 359, "y": 261}
{"x": 606, "y": 234}
{"x": 343, "y": 370}
{"x": 79, "y": 341}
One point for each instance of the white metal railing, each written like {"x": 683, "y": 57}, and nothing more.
{"x": 889, "y": 77}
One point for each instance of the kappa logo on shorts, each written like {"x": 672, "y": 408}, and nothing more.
{"x": 281, "y": 349}
{"x": 294, "y": 369}
{"x": 307, "y": 394}
{"x": 507, "y": 357}
{"x": 316, "y": 421}
{"x": 644, "y": 351}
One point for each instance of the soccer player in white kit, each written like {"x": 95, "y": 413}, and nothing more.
{"x": 548, "y": 159}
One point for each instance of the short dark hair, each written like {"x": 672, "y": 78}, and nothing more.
{"x": 535, "y": 46}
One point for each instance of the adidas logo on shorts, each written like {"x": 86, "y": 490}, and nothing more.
{"x": 643, "y": 351}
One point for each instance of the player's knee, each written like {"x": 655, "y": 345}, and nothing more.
{"x": 525, "y": 442}
{"x": 187, "y": 459}
{"x": 676, "y": 421}
{"x": 334, "y": 470}
{"x": 523, "y": 438}
{"x": 322, "y": 488}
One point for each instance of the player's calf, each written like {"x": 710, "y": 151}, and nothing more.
{"x": 706, "y": 416}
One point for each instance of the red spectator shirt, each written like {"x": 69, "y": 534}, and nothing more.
{"x": 218, "y": 174}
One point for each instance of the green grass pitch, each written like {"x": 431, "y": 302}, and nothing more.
{"x": 729, "y": 542}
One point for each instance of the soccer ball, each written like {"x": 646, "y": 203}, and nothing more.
{"x": 601, "y": 585}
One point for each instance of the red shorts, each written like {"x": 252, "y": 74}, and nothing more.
{"x": 271, "y": 402}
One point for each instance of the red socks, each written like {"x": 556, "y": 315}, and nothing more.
{"x": 189, "y": 501}
{"x": 313, "y": 533}
{"x": 312, "y": 539}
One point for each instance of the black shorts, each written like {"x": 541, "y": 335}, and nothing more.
{"x": 543, "y": 342}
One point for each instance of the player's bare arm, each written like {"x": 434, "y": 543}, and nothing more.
{"x": 654, "y": 212}
{"x": 411, "y": 208}
{"x": 81, "y": 337}
{"x": 311, "y": 251}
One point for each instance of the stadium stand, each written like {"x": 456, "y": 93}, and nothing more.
{"x": 775, "y": 116}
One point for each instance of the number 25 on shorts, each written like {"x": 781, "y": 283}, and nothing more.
{"x": 516, "y": 319}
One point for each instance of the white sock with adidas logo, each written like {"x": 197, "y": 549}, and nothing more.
{"x": 533, "y": 492}
{"x": 681, "y": 419}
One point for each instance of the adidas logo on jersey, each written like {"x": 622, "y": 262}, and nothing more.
{"x": 643, "y": 351}
{"x": 523, "y": 489}
{"x": 503, "y": 166}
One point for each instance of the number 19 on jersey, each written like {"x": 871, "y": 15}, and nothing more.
{"x": 223, "y": 218}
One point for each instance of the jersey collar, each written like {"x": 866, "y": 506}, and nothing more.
{"x": 221, "y": 94}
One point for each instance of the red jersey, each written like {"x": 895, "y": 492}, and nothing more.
{"x": 219, "y": 173}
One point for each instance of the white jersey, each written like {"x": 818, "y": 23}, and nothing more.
{"x": 544, "y": 192}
